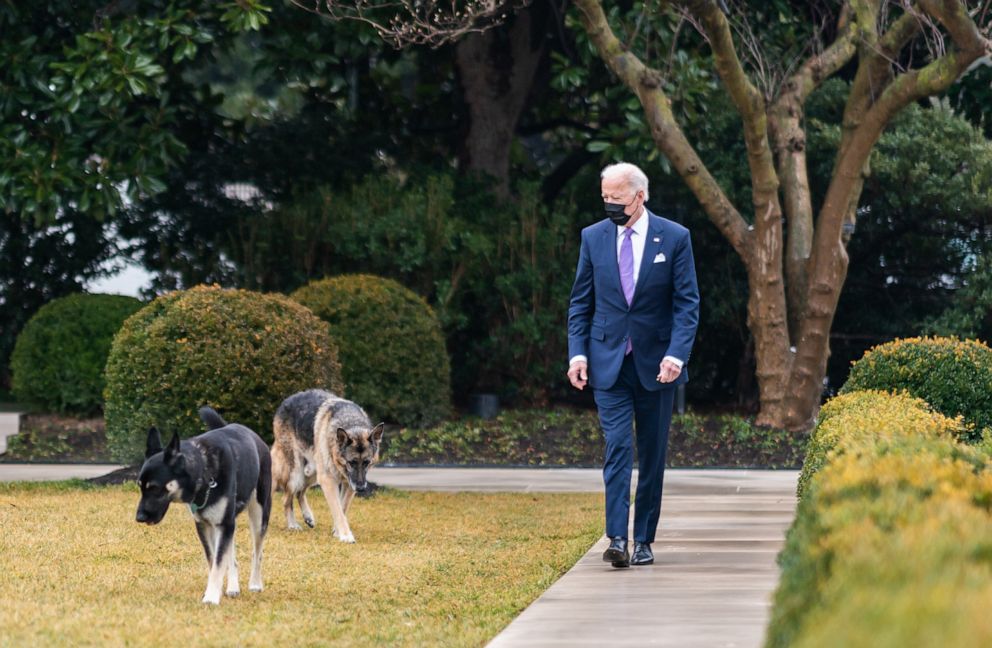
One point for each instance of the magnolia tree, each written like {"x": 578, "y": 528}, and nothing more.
{"x": 792, "y": 243}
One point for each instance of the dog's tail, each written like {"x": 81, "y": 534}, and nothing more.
{"x": 211, "y": 418}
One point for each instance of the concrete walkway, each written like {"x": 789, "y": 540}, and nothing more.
{"x": 714, "y": 569}
{"x": 52, "y": 472}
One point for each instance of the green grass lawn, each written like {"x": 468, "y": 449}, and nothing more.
{"x": 428, "y": 569}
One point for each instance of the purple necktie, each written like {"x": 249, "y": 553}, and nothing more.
{"x": 627, "y": 272}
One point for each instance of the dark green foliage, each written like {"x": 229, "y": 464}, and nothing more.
{"x": 391, "y": 347}
{"x": 970, "y": 314}
{"x": 92, "y": 93}
{"x": 59, "y": 357}
{"x": 39, "y": 263}
{"x": 924, "y": 220}
{"x": 240, "y": 352}
{"x": 953, "y": 376}
{"x": 498, "y": 274}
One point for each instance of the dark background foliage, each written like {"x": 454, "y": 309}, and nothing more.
{"x": 264, "y": 147}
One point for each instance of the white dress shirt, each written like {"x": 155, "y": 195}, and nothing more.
{"x": 638, "y": 239}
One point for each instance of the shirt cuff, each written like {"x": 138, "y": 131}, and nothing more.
{"x": 578, "y": 358}
{"x": 674, "y": 361}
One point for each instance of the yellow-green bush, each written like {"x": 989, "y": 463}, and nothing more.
{"x": 954, "y": 376}
{"x": 241, "y": 352}
{"x": 392, "y": 351}
{"x": 924, "y": 583}
{"x": 865, "y": 417}
{"x": 890, "y": 533}
{"x": 60, "y": 355}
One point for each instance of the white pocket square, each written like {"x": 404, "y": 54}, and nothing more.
{"x": 659, "y": 258}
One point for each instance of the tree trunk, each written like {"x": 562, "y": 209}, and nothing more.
{"x": 497, "y": 69}
{"x": 793, "y": 296}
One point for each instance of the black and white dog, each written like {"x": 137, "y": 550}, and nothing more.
{"x": 218, "y": 474}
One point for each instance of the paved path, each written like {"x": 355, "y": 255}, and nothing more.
{"x": 52, "y": 472}
{"x": 711, "y": 583}
{"x": 714, "y": 569}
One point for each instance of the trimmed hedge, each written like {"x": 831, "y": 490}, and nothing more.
{"x": 60, "y": 355}
{"x": 393, "y": 357}
{"x": 239, "y": 351}
{"x": 891, "y": 543}
{"x": 852, "y": 420}
{"x": 954, "y": 376}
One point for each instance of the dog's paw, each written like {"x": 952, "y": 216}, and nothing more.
{"x": 347, "y": 537}
{"x": 294, "y": 526}
{"x": 255, "y": 588}
{"x": 211, "y": 599}
{"x": 233, "y": 593}
{"x": 310, "y": 522}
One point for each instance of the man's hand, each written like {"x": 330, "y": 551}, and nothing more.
{"x": 578, "y": 374}
{"x": 668, "y": 371}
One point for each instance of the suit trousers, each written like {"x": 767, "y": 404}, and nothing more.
{"x": 625, "y": 403}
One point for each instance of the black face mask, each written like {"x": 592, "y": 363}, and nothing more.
{"x": 615, "y": 212}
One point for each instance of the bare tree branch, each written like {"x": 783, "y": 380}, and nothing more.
{"x": 418, "y": 22}
{"x": 667, "y": 134}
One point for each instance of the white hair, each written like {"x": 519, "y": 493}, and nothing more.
{"x": 636, "y": 179}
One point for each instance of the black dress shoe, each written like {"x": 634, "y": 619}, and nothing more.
{"x": 617, "y": 553}
{"x": 642, "y": 554}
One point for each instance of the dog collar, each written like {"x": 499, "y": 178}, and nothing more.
{"x": 194, "y": 507}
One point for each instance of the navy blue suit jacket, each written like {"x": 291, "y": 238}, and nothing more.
{"x": 662, "y": 317}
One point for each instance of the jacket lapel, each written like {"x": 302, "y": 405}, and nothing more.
{"x": 652, "y": 246}
{"x": 610, "y": 251}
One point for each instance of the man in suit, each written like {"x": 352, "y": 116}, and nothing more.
{"x": 631, "y": 324}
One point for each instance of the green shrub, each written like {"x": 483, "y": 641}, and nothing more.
{"x": 240, "y": 352}
{"x": 391, "y": 346}
{"x": 953, "y": 376}
{"x": 895, "y": 517}
{"x": 60, "y": 355}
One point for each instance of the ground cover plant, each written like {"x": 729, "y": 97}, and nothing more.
{"x": 537, "y": 437}
{"x": 428, "y": 569}
{"x": 572, "y": 437}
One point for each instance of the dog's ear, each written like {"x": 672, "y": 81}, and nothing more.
{"x": 343, "y": 438}
{"x": 154, "y": 444}
{"x": 173, "y": 455}
{"x": 377, "y": 432}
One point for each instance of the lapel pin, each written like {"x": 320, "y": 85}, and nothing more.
{"x": 656, "y": 240}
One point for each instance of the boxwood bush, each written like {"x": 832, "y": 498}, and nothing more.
{"x": 239, "y": 351}
{"x": 393, "y": 357}
{"x": 60, "y": 355}
{"x": 891, "y": 541}
{"x": 954, "y": 376}
{"x": 865, "y": 417}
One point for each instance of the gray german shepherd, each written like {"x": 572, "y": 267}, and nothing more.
{"x": 218, "y": 474}
{"x": 321, "y": 438}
